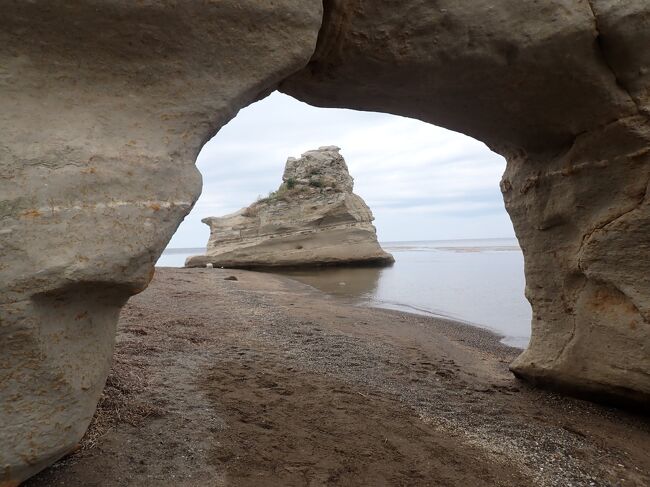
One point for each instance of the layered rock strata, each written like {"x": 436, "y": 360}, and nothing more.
{"x": 563, "y": 94}
{"x": 313, "y": 219}
{"x": 106, "y": 104}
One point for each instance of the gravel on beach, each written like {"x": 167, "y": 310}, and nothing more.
{"x": 264, "y": 381}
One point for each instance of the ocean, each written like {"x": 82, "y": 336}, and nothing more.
{"x": 479, "y": 282}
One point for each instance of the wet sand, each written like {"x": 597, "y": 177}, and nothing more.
{"x": 265, "y": 381}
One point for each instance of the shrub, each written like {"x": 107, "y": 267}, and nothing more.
{"x": 291, "y": 183}
{"x": 282, "y": 193}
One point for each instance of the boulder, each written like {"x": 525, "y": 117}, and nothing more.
{"x": 313, "y": 219}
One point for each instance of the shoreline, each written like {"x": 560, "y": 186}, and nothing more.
{"x": 268, "y": 381}
{"x": 466, "y": 329}
{"x": 398, "y": 308}
{"x": 405, "y": 308}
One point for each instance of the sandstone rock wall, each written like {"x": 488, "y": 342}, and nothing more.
{"x": 313, "y": 219}
{"x": 104, "y": 107}
{"x": 106, "y": 104}
{"x": 562, "y": 93}
{"x": 517, "y": 75}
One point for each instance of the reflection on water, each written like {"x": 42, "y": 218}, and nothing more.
{"x": 353, "y": 282}
{"x": 476, "y": 281}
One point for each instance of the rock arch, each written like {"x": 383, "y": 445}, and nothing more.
{"x": 105, "y": 105}
{"x": 563, "y": 95}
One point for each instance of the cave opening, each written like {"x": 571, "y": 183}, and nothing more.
{"x": 434, "y": 194}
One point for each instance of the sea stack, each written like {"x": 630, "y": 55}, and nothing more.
{"x": 313, "y": 219}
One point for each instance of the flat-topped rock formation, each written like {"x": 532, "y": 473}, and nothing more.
{"x": 313, "y": 219}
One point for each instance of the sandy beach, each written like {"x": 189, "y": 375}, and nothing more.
{"x": 264, "y": 381}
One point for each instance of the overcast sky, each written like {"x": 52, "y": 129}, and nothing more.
{"x": 422, "y": 182}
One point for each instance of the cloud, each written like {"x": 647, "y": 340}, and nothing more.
{"x": 421, "y": 181}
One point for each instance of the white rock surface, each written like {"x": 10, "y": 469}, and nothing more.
{"x": 313, "y": 219}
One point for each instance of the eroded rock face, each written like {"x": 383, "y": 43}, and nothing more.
{"x": 582, "y": 218}
{"x": 105, "y": 106}
{"x": 560, "y": 88}
{"x": 313, "y": 219}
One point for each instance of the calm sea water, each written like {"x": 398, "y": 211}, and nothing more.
{"x": 480, "y": 282}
